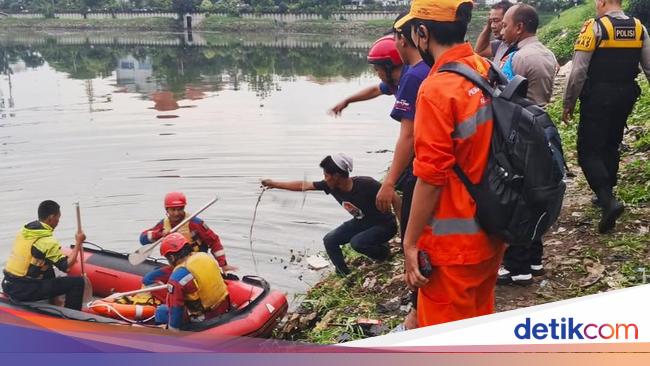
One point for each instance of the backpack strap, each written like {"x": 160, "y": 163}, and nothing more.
{"x": 485, "y": 86}
{"x": 469, "y": 74}
{"x": 471, "y": 187}
{"x": 517, "y": 86}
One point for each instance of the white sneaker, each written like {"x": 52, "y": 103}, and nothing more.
{"x": 504, "y": 277}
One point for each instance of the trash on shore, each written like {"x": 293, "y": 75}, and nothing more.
{"x": 316, "y": 262}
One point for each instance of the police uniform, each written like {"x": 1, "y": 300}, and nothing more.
{"x": 608, "y": 52}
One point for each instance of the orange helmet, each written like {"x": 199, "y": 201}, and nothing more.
{"x": 172, "y": 244}
{"x": 384, "y": 52}
{"x": 175, "y": 199}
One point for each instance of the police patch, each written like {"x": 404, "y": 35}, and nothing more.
{"x": 625, "y": 33}
{"x": 587, "y": 38}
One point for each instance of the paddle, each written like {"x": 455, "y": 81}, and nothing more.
{"x": 144, "y": 251}
{"x": 88, "y": 286}
{"x": 144, "y": 289}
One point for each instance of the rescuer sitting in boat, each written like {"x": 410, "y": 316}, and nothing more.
{"x": 196, "y": 289}
{"x": 29, "y": 275}
{"x": 197, "y": 233}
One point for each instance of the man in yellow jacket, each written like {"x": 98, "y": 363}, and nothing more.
{"x": 29, "y": 273}
{"x": 196, "y": 290}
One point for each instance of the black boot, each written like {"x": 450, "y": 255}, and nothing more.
{"x": 595, "y": 201}
{"x": 611, "y": 212}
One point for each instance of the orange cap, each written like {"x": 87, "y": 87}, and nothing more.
{"x": 438, "y": 10}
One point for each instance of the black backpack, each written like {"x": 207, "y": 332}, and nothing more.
{"x": 520, "y": 194}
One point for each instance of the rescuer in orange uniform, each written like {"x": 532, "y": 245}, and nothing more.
{"x": 453, "y": 125}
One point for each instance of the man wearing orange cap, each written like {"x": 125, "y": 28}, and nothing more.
{"x": 453, "y": 127}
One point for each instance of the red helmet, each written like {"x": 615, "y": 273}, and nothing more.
{"x": 173, "y": 243}
{"x": 384, "y": 52}
{"x": 175, "y": 199}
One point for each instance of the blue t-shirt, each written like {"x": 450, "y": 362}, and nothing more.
{"x": 405, "y": 98}
{"x": 407, "y": 91}
{"x": 388, "y": 89}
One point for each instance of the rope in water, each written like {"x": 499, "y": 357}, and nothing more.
{"x": 250, "y": 233}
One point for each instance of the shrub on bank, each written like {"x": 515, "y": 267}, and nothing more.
{"x": 560, "y": 33}
{"x": 641, "y": 10}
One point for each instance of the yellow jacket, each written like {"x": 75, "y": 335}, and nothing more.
{"x": 35, "y": 251}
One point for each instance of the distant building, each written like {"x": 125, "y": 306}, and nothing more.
{"x": 395, "y": 2}
{"x": 135, "y": 75}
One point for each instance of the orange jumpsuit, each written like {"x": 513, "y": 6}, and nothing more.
{"x": 453, "y": 125}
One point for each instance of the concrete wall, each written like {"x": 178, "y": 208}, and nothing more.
{"x": 198, "y": 18}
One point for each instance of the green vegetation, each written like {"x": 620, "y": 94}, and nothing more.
{"x": 336, "y": 308}
{"x": 177, "y": 67}
{"x": 552, "y": 5}
{"x": 585, "y": 262}
{"x": 233, "y": 7}
{"x": 560, "y": 34}
{"x": 322, "y": 26}
{"x": 634, "y": 186}
{"x": 634, "y": 182}
{"x": 641, "y": 10}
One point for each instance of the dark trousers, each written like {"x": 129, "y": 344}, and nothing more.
{"x": 27, "y": 289}
{"x": 604, "y": 110}
{"x": 370, "y": 239}
{"x": 518, "y": 259}
{"x": 407, "y": 186}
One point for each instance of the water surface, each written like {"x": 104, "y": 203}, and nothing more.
{"x": 115, "y": 121}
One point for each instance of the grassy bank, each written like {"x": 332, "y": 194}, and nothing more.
{"x": 142, "y": 24}
{"x": 578, "y": 261}
{"x": 634, "y": 182}
{"x": 560, "y": 33}
{"x": 229, "y": 24}
{"x": 338, "y": 309}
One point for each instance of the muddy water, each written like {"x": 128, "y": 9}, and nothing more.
{"x": 115, "y": 121}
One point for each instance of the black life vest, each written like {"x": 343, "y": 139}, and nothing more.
{"x": 618, "y": 54}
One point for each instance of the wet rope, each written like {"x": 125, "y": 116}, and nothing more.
{"x": 250, "y": 233}
{"x": 304, "y": 191}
